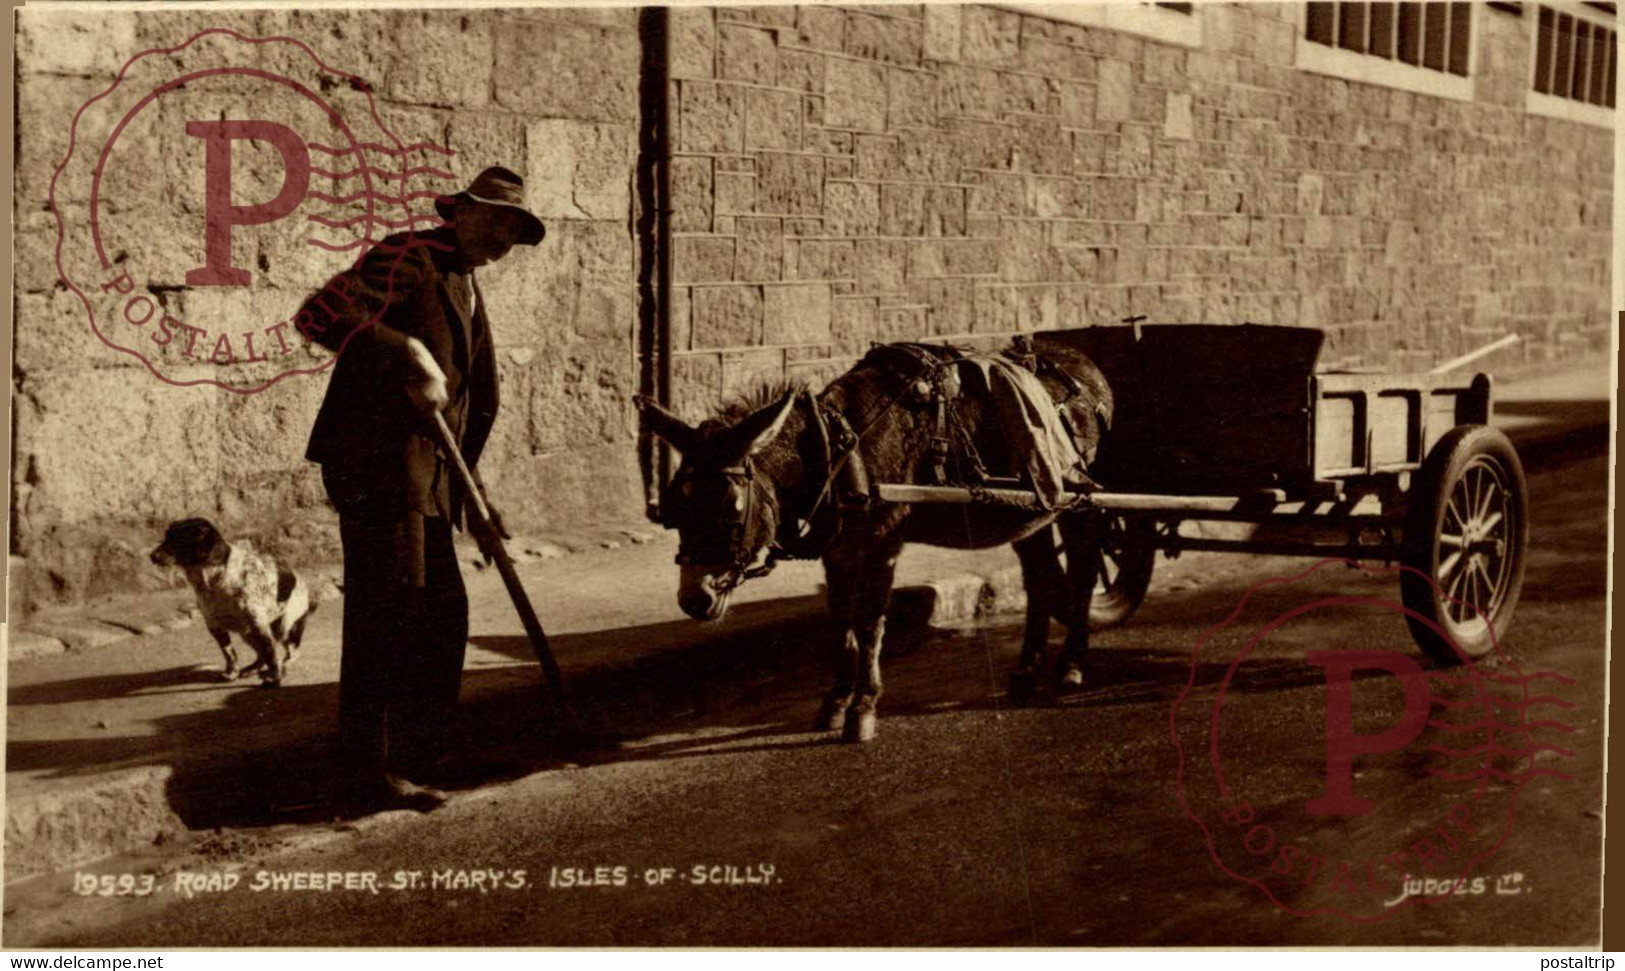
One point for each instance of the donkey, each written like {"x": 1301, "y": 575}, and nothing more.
{"x": 770, "y": 479}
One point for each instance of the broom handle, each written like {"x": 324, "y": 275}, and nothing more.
{"x": 510, "y": 578}
{"x": 1472, "y": 356}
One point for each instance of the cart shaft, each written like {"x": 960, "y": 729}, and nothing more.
{"x": 1261, "y": 501}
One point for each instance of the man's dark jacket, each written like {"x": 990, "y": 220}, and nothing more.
{"x": 374, "y": 445}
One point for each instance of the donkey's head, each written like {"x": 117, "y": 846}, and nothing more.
{"x": 723, "y": 506}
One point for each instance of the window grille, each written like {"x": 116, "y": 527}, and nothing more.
{"x": 1434, "y": 36}
{"x": 1575, "y": 56}
{"x": 1168, "y": 23}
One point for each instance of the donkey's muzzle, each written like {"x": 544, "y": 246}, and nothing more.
{"x": 700, "y": 606}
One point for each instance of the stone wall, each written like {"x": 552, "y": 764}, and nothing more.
{"x": 844, "y": 175}
{"x": 105, "y": 454}
{"x": 840, "y": 175}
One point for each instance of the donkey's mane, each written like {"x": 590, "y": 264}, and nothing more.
{"x": 766, "y": 392}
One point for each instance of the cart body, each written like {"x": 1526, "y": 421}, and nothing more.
{"x": 1217, "y": 409}
{"x": 1235, "y": 424}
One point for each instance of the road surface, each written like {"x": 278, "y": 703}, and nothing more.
{"x": 707, "y": 815}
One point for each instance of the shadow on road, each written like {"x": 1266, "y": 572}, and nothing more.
{"x": 680, "y": 690}
{"x": 110, "y": 686}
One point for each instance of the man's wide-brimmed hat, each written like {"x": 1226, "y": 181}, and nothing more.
{"x": 497, "y": 186}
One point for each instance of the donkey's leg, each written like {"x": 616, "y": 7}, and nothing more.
{"x": 840, "y": 585}
{"x": 1081, "y": 533}
{"x": 869, "y": 630}
{"x": 1040, "y": 577}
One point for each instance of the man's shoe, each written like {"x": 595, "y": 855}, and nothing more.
{"x": 388, "y": 792}
{"x": 438, "y": 773}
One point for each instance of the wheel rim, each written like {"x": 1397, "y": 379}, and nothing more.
{"x": 1474, "y": 550}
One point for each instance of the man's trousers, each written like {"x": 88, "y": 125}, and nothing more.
{"x": 405, "y": 632}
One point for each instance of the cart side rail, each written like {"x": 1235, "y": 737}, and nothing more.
{"x": 1367, "y": 424}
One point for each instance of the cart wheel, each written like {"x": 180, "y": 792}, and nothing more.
{"x": 1128, "y": 552}
{"x": 1466, "y": 527}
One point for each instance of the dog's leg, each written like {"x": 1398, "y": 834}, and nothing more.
{"x": 255, "y": 666}
{"x": 293, "y": 608}
{"x": 292, "y": 640}
{"x": 270, "y": 664}
{"x": 224, "y": 640}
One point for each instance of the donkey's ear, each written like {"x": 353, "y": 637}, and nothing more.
{"x": 760, "y": 427}
{"x": 666, "y": 426}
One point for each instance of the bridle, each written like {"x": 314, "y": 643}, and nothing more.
{"x": 805, "y": 536}
{"x": 738, "y": 553}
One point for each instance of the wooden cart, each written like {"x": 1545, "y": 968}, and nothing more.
{"x": 1234, "y": 425}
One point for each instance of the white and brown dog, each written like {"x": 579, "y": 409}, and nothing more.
{"x": 240, "y": 592}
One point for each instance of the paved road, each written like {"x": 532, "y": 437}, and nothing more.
{"x": 970, "y": 821}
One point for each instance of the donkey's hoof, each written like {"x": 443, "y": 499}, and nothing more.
{"x": 830, "y": 718}
{"x": 860, "y": 727}
{"x": 1072, "y": 676}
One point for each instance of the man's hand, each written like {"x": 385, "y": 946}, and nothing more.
{"x": 488, "y": 536}
{"x": 426, "y": 383}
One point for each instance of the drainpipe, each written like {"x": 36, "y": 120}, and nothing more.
{"x": 654, "y": 240}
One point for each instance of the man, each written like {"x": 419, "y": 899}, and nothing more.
{"x": 410, "y": 326}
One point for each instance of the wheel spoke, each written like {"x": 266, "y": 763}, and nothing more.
{"x": 1492, "y": 587}
{"x": 1486, "y": 501}
{"x": 1485, "y": 588}
{"x": 1103, "y": 576}
{"x": 1473, "y": 543}
{"x": 1452, "y": 513}
{"x": 1453, "y": 587}
{"x": 1465, "y": 607}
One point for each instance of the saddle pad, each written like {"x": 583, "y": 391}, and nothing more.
{"x": 1041, "y": 444}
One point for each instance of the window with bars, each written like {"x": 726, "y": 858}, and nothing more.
{"x": 1169, "y": 23}
{"x": 1434, "y": 36}
{"x": 1575, "y": 56}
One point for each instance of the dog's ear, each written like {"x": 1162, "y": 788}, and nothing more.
{"x": 192, "y": 541}
{"x": 210, "y": 545}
